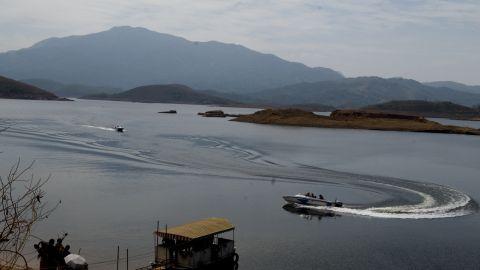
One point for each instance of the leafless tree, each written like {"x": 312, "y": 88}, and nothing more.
{"x": 21, "y": 207}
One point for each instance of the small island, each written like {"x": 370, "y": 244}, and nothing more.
{"x": 353, "y": 119}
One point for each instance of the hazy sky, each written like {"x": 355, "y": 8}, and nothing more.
{"x": 421, "y": 39}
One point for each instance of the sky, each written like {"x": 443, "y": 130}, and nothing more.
{"x": 426, "y": 40}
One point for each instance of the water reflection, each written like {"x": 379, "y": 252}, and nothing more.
{"x": 308, "y": 213}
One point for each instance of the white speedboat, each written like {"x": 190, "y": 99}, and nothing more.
{"x": 119, "y": 128}
{"x": 310, "y": 199}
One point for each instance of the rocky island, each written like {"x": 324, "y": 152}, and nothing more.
{"x": 353, "y": 119}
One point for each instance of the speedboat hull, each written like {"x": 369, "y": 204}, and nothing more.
{"x": 304, "y": 200}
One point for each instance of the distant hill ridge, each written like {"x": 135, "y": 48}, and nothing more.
{"x": 427, "y": 109}
{"x": 251, "y": 100}
{"x": 12, "y": 89}
{"x": 170, "y": 93}
{"x": 362, "y": 91}
{"x": 456, "y": 86}
{"x": 70, "y": 90}
{"x": 127, "y": 57}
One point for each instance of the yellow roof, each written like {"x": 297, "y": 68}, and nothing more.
{"x": 198, "y": 229}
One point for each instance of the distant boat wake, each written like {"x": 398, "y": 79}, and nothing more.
{"x": 97, "y": 127}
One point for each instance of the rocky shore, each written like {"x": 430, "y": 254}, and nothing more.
{"x": 353, "y": 119}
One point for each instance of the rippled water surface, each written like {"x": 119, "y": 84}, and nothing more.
{"x": 410, "y": 198}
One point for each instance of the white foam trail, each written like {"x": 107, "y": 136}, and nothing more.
{"x": 429, "y": 208}
{"x": 102, "y": 128}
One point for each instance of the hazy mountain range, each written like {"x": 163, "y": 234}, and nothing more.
{"x": 358, "y": 90}
{"x": 344, "y": 93}
{"x": 127, "y": 57}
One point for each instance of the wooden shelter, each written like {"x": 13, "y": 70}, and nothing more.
{"x": 196, "y": 245}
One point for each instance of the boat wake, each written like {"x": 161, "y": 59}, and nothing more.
{"x": 92, "y": 146}
{"x": 394, "y": 198}
{"x": 450, "y": 203}
{"x": 238, "y": 151}
{"x": 97, "y": 127}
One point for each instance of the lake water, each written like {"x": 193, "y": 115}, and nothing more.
{"x": 410, "y": 198}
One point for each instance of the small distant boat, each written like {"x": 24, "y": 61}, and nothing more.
{"x": 119, "y": 128}
{"x": 310, "y": 199}
{"x": 170, "y": 111}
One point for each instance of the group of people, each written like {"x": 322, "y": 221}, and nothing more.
{"x": 311, "y": 195}
{"x": 52, "y": 254}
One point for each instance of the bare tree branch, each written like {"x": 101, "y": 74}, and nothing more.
{"x": 21, "y": 207}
